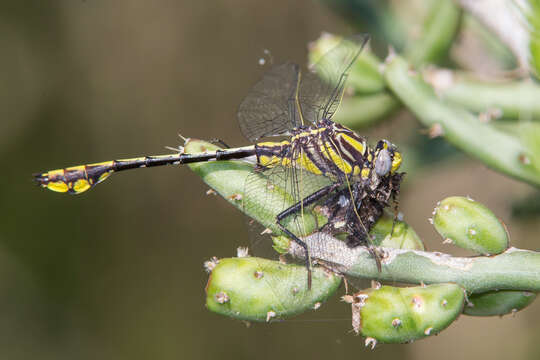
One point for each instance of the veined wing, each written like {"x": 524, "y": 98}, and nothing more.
{"x": 321, "y": 89}
{"x": 286, "y": 98}
{"x": 269, "y": 108}
{"x": 275, "y": 189}
{"x": 270, "y": 191}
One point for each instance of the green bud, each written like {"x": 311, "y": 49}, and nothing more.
{"x": 470, "y": 225}
{"x": 256, "y": 289}
{"x": 402, "y": 237}
{"x": 397, "y": 315}
{"x": 501, "y": 302}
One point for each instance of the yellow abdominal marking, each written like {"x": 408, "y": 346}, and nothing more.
{"x": 76, "y": 168}
{"x": 104, "y": 176}
{"x": 54, "y": 173}
{"x": 58, "y": 186}
{"x": 103, "y": 163}
{"x": 129, "y": 160}
{"x": 81, "y": 185}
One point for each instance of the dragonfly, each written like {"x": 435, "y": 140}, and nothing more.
{"x": 287, "y": 116}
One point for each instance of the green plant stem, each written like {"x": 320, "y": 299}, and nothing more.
{"x": 437, "y": 35}
{"x": 501, "y": 151}
{"x": 363, "y": 111}
{"x": 515, "y": 100}
{"x": 513, "y": 269}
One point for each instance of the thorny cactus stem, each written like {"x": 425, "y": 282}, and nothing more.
{"x": 504, "y": 99}
{"x": 261, "y": 290}
{"x": 514, "y": 269}
{"x": 500, "y": 150}
{"x": 443, "y": 101}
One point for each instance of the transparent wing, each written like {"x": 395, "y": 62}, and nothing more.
{"x": 267, "y": 193}
{"x": 271, "y": 191}
{"x": 285, "y": 98}
{"x": 321, "y": 89}
{"x": 269, "y": 109}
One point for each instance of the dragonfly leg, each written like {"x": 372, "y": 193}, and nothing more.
{"x": 310, "y": 199}
{"x": 373, "y": 251}
{"x": 395, "y": 199}
{"x": 304, "y": 246}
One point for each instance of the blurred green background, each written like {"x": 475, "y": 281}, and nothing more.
{"x": 117, "y": 273}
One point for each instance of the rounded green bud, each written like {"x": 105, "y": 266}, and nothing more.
{"x": 470, "y": 225}
{"x": 401, "y": 237}
{"x": 397, "y": 315}
{"x": 257, "y": 289}
{"x": 501, "y": 302}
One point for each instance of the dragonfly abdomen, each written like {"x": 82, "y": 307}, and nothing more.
{"x": 80, "y": 178}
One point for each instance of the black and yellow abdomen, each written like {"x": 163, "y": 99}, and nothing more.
{"x": 78, "y": 179}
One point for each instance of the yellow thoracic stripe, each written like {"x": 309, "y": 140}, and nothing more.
{"x": 304, "y": 161}
{"x": 361, "y": 148}
{"x": 329, "y": 153}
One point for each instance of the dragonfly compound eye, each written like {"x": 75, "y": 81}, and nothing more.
{"x": 383, "y": 162}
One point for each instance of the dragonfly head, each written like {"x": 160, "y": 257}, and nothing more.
{"x": 387, "y": 158}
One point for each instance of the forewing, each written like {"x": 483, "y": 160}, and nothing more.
{"x": 270, "y": 107}
{"x": 321, "y": 88}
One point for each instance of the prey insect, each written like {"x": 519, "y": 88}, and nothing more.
{"x": 321, "y": 164}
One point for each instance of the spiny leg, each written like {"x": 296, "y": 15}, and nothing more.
{"x": 373, "y": 251}
{"x": 395, "y": 198}
{"x": 310, "y": 199}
